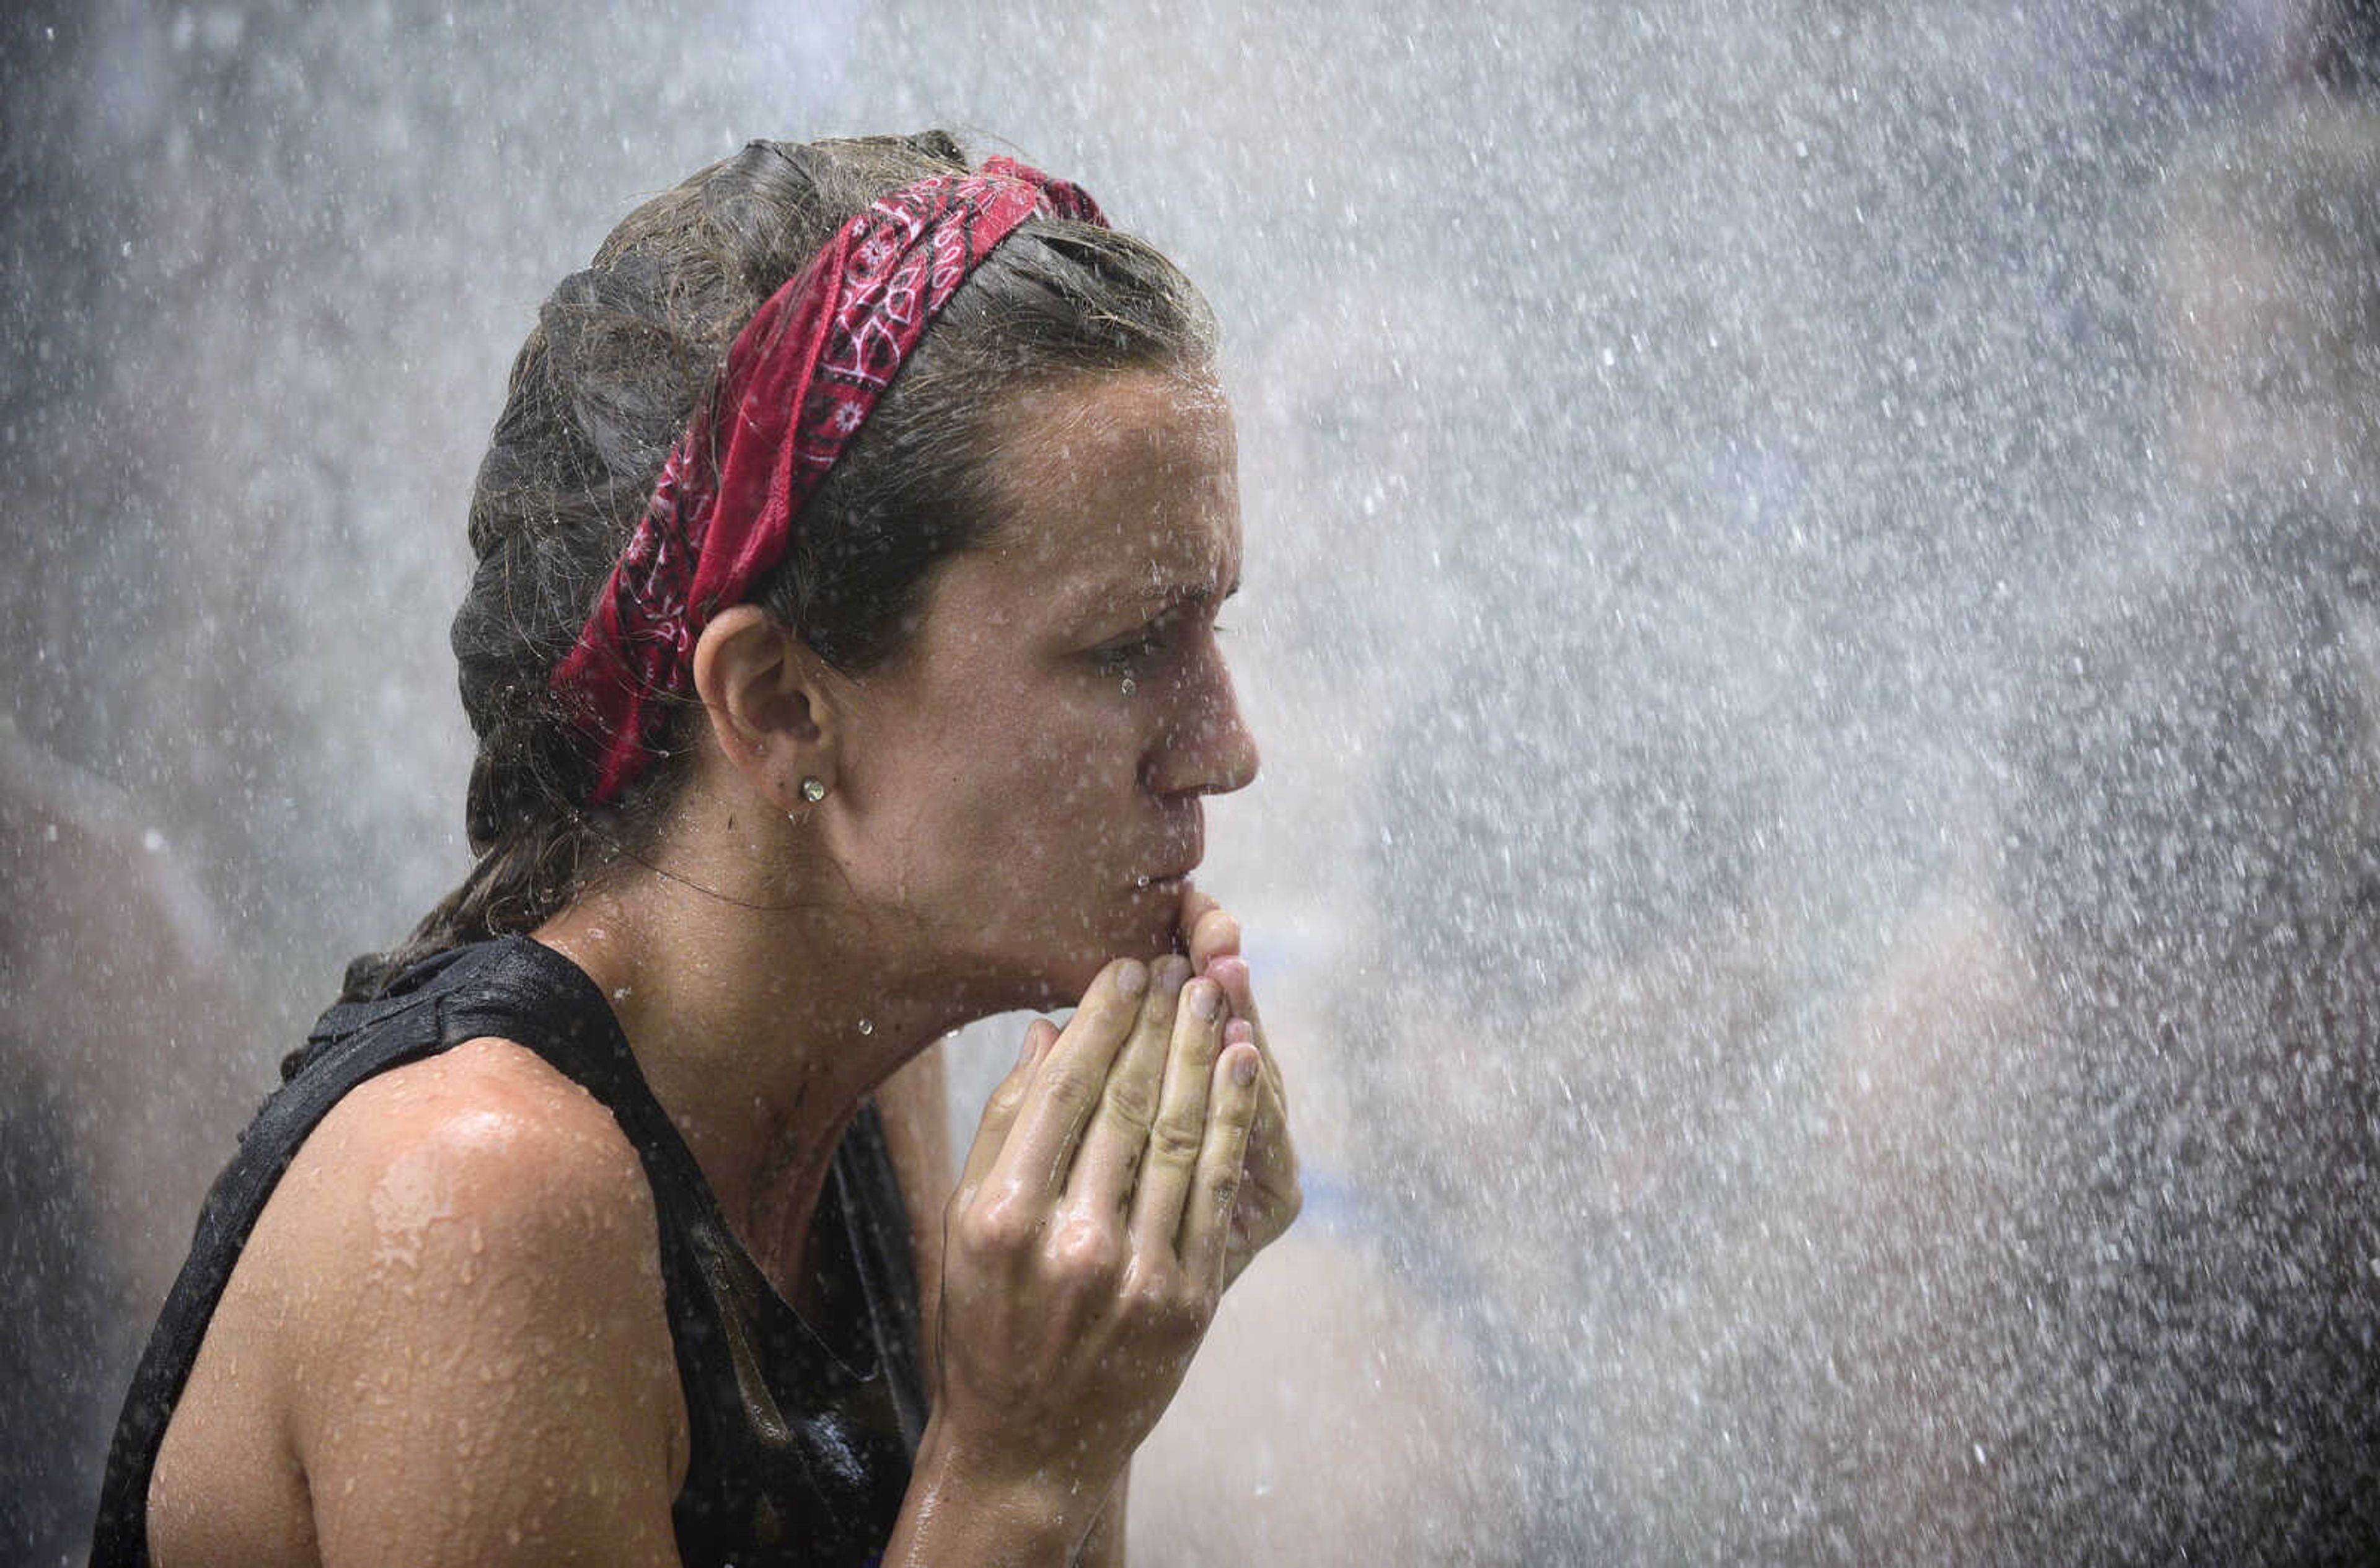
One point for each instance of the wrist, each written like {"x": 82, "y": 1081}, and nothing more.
{"x": 968, "y": 1501}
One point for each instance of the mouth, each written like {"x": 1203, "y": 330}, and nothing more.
{"x": 1170, "y": 879}
{"x": 1171, "y": 865}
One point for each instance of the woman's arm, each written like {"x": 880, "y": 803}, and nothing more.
{"x": 914, "y": 1105}
{"x": 1085, "y": 1252}
{"x": 452, "y": 1314}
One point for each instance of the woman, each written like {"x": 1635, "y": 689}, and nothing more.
{"x": 842, "y": 654}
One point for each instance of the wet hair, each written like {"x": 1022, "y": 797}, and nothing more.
{"x": 619, "y": 357}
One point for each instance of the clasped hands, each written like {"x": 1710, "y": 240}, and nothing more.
{"x": 1124, "y": 1175}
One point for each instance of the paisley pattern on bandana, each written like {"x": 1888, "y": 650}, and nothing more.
{"x": 801, "y": 379}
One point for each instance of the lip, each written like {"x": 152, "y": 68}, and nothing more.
{"x": 1173, "y": 879}
{"x": 1178, "y": 853}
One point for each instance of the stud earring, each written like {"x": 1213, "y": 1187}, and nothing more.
{"x": 813, "y": 790}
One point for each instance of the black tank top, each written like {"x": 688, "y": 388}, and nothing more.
{"x": 801, "y": 1436}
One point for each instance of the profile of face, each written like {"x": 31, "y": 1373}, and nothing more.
{"x": 1020, "y": 792}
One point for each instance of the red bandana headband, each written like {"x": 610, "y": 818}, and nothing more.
{"x": 801, "y": 380}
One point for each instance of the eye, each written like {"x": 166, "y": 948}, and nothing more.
{"x": 1133, "y": 655}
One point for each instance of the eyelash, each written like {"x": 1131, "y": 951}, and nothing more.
{"x": 1124, "y": 658}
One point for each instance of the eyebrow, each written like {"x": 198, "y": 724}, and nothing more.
{"x": 1187, "y": 593}
{"x": 1155, "y": 599}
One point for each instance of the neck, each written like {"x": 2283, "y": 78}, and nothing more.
{"x": 760, "y": 1028}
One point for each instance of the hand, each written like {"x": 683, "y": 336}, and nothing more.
{"x": 1269, "y": 1196}
{"x": 1087, "y": 1243}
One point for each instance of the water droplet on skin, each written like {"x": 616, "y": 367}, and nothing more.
{"x": 1128, "y": 687}
{"x": 1141, "y": 881}
{"x": 866, "y": 1028}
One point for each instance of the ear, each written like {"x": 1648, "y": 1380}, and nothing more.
{"x": 770, "y": 702}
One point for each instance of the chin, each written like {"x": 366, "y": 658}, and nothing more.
{"x": 1148, "y": 927}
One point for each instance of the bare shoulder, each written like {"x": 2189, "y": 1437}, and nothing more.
{"x": 487, "y": 1138}
{"x": 454, "y": 1293}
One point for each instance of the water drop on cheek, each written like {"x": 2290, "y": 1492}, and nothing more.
{"x": 1128, "y": 687}
{"x": 866, "y": 1028}
{"x": 1140, "y": 880}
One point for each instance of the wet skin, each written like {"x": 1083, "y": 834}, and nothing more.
{"x": 1064, "y": 708}
{"x": 375, "y": 1388}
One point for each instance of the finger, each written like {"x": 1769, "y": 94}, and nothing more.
{"x": 1066, "y": 1084}
{"x": 1102, "y": 1175}
{"x": 1215, "y": 1192}
{"x": 1195, "y": 905}
{"x": 1175, "y": 1137}
{"x": 1000, "y": 1113}
{"x": 1269, "y": 1195}
{"x": 1230, "y": 971}
{"x": 1268, "y": 1144}
{"x": 1239, "y": 988}
{"x": 1215, "y": 934}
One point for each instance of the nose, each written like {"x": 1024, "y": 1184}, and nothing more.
{"x": 1207, "y": 747}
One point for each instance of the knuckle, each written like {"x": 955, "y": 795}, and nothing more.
{"x": 1130, "y": 1105}
{"x": 1164, "y": 1301}
{"x": 1088, "y": 1251}
{"x": 1173, "y": 1142}
{"x": 1002, "y": 1224}
{"x": 1148, "y": 1298}
{"x": 1068, "y": 1080}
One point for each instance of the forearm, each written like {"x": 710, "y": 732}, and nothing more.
{"x": 960, "y": 1512}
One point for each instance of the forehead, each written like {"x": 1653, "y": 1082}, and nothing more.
{"x": 1116, "y": 484}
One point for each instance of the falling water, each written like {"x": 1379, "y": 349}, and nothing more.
{"x": 1807, "y": 608}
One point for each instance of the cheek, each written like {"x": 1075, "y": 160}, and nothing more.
{"x": 1051, "y": 783}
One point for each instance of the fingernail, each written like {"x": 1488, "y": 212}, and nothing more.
{"x": 1173, "y": 972}
{"x": 1244, "y": 1068}
{"x": 1024, "y": 1053}
{"x": 1132, "y": 979}
{"x": 1239, "y": 1031}
{"x": 1206, "y": 1000}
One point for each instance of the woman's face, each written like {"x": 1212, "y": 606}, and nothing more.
{"x": 1020, "y": 787}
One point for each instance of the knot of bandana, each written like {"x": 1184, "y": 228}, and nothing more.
{"x": 800, "y": 381}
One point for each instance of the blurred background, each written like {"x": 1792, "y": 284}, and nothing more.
{"x": 1810, "y": 613}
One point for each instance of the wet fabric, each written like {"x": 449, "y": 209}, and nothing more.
{"x": 801, "y": 379}
{"x": 801, "y": 1436}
